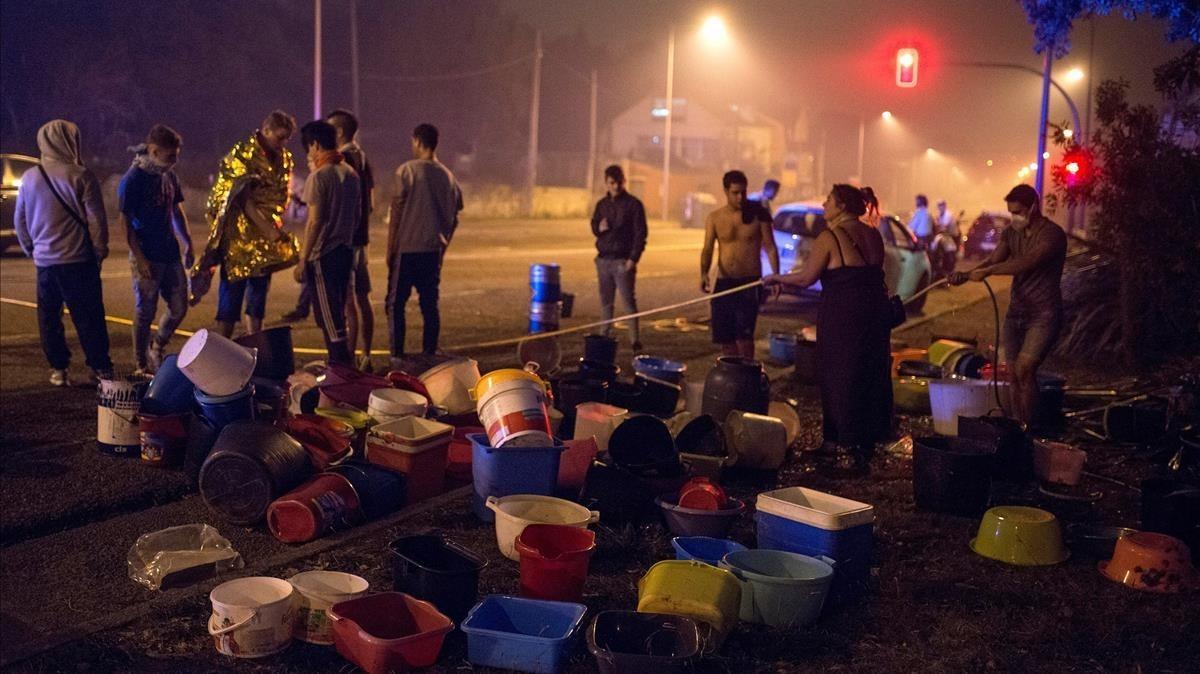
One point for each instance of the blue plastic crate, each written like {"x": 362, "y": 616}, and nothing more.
{"x": 504, "y": 471}
{"x": 849, "y": 548}
{"x": 525, "y": 635}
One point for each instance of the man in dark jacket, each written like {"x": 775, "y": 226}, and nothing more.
{"x": 619, "y": 224}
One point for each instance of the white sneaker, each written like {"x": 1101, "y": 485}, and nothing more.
{"x": 59, "y": 378}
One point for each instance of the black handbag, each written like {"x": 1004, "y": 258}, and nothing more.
{"x": 896, "y": 313}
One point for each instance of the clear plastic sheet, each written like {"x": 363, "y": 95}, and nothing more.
{"x": 180, "y": 556}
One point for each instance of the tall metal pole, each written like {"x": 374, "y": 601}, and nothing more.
{"x": 316, "y": 59}
{"x": 535, "y": 104}
{"x": 1087, "y": 126}
{"x": 354, "y": 57}
{"x": 862, "y": 141}
{"x": 1040, "y": 180}
{"x": 591, "y": 162}
{"x": 666, "y": 172}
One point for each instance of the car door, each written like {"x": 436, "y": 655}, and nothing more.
{"x": 905, "y": 262}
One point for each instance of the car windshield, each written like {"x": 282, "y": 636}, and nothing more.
{"x": 803, "y": 223}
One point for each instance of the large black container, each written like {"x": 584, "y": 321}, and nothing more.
{"x": 276, "y": 358}
{"x": 380, "y": 491}
{"x": 806, "y": 370}
{"x": 1047, "y": 411}
{"x": 736, "y": 384}
{"x": 621, "y": 495}
{"x": 597, "y": 369}
{"x": 624, "y": 394}
{"x": 642, "y": 443}
{"x": 438, "y": 571}
{"x": 628, "y": 641}
{"x": 1014, "y": 451}
{"x": 1172, "y": 507}
{"x": 657, "y": 397}
{"x": 600, "y": 349}
{"x": 952, "y": 475}
{"x": 570, "y": 391}
{"x": 251, "y": 464}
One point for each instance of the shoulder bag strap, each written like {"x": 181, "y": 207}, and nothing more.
{"x": 63, "y": 202}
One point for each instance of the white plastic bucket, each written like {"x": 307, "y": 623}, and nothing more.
{"x": 598, "y": 420}
{"x": 514, "y": 513}
{"x": 759, "y": 441}
{"x": 316, "y": 591}
{"x": 252, "y": 617}
{"x": 117, "y": 406}
{"x": 951, "y": 398}
{"x": 217, "y": 365}
{"x": 515, "y": 413}
{"x": 390, "y": 404}
{"x": 450, "y": 384}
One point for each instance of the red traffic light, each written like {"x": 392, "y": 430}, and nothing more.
{"x": 906, "y": 67}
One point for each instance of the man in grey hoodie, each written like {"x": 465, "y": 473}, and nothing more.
{"x": 61, "y": 224}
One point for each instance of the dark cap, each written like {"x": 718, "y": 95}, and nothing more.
{"x": 1023, "y": 194}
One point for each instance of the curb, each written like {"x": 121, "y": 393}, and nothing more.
{"x": 175, "y": 599}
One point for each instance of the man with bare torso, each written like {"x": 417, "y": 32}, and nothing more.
{"x": 738, "y": 231}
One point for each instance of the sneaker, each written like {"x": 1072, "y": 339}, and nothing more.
{"x": 98, "y": 375}
{"x": 59, "y": 378}
{"x": 294, "y": 315}
{"x": 154, "y": 356}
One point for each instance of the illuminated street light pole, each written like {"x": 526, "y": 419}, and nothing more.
{"x": 1040, "y": 179}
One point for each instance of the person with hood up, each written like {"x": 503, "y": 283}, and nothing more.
{"x": 61, "y": 224}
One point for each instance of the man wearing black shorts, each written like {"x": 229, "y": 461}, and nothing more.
{"x": 358, "y": 304}
{"x": 739, "y": 230}
{"x": 1032, "y": 250}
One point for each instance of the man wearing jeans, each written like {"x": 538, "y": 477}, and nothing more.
{"x": 332, "y": 193}
{"x": 619, "y": 225}
{"x": 150, "y": 196}
{"x": 60, "y": 223}
{"x": 424, "y": 215}
{"x": 1033, "y": 251}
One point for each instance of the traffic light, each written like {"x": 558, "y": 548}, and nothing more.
{"x": 906, "y": 67}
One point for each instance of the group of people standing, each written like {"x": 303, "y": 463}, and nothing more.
{"x": 61, "y": 223}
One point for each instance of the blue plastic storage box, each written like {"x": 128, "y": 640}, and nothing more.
{"x": 504, "y": 471}
{"x": 526, "y": 635}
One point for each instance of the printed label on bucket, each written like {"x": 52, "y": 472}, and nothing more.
{"x": 313, "y": 626}
{"x": 513, "y": 423}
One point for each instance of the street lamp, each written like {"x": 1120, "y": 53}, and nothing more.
{"x": 886, "y": 115}
{"x": 1074, "y": 75}
{"x": 713, "y": 32}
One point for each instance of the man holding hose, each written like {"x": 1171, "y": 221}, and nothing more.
{"x": 1032, "y": 250}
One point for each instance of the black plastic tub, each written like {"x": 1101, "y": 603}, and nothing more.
{"x": 658, "y": 643}
{"x": 952, "y": 475}
{"x": 437, "y": 570}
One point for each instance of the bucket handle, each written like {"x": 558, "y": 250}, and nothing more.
{"x": 828, "y": 560}
{"x": 492, "y": 503}
{"x": 593, "y": 516}
{"x": 230, "y": 628}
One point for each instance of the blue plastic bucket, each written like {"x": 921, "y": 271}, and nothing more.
{"x": 526, "y": 635}
{"x": 782, "y": 347}
{"x": 780, "y": 589}
{"x": 170, "y": 391}
{"x": 544, "y": 283}
{"x": 220, "y": 411}
{"x": 544, "y": 316}
{"x": 380, "y": 491}
{"x": 704, "y": 548}
{"x": 660, "y": 368}
{"x": 504, "y": 471}
{"x": 849, "y": 548}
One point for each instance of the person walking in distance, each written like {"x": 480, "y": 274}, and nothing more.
{"x": 246, "y": 236}
{"x": 739, "y": 230}
{"x": 424, "y": 215}
{"x": 60, "y": 222}
{"x": 767, "y": 195}
{"x": 332, "y": 193}
{"x": 150, "y": 198}
{"x": 619, "y": 225}
{"x": 360, "y": 316}
{"x": 921, "y": 223}
{"x": 1033, "y": 251}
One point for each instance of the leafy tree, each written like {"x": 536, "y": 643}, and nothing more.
{"x": 1052, "y": 19}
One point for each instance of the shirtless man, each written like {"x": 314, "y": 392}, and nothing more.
{"x": 739, "y": 231}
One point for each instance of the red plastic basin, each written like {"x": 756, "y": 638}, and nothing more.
{"x": 554, "y": 561}
{"x": 389, "y": 631}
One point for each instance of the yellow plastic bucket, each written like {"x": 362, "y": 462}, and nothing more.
{"x": 512, "y": 405}
{"x": 694, "y": 589}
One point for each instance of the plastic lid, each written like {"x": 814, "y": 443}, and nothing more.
{"x": 815, "y": 508}
{"x": 497, "y": 378}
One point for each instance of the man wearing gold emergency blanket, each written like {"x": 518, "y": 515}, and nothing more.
{"x": 246, "y": 236}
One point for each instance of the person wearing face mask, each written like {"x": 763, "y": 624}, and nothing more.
{"x": 60, "y": 223}
{"x": 150, "y": 196}
{"x": 333, "y": 193}
{"x": 1032, "y": 250}
{"x": 246, "y": 235}
{"x": 853, "y": 330}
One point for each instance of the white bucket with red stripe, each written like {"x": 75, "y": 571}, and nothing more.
{"x": 514, "y": 410}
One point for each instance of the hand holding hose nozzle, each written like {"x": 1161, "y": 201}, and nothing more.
{"x": 957, "y": 278}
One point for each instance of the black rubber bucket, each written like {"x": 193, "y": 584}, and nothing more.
{"x": 441, "y": 572}
{"x": 1014, "y": 451}
{"x": 1172, "y": 507}
{"x": 618, "y": 495}
{"x": 628, "y": 641}
{"x": 703, "y": 436}
{"x": 276, "y": 358}
{"x": 600, "y": 349}
{"x": 642, "y": 443}
{"x": 656, "y": 397}
{"x": 251, "y": 464}
{"x": 952, "y": 475}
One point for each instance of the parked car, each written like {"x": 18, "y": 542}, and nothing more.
{"x": 905, "y": 266}
{"x": 12, "y": 167}
{"x": 985, "y": 234}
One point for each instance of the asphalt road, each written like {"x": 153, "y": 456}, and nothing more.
{"x": 69, "y": 514}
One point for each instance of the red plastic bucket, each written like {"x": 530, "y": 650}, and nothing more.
{"x": 389, "y": 632}
{"x": 701, "y": 494}
{"x": 164, "y": 438}
{"x": 554, "y": 561}
{"x": 326, "y": 502}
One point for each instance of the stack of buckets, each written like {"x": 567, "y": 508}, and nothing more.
{"x": 545, "y": 301}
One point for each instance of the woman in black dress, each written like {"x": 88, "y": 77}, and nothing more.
{"x": 853, "y": 333}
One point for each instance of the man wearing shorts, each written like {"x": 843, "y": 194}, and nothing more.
{"x": 358, "y": 303}
{"x": 739, "y": 230}
{"x": 1032, "y": 250}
